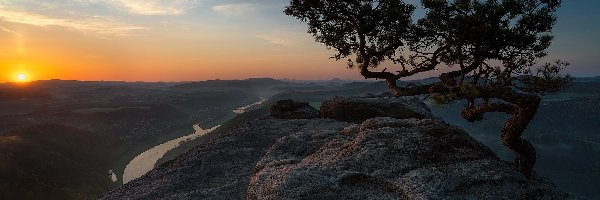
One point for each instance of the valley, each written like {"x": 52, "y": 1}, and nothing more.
{"x": 75, "y": 140}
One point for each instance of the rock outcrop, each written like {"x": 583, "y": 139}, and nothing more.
{"x": 359, "y": 109}
{"x": 291, "y": 109}
{"x": 220, "y": 168}
{"x": 416, "y": 156}
{"x": 386, "y": 158}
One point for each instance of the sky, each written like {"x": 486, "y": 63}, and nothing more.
{"x": 187, "y": 40}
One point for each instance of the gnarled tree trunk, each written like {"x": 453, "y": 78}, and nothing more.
{"x": 512, "y": 131}
{"x": 522, "y": 109}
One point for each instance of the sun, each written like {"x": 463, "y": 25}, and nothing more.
{"x": 22, "y": 77}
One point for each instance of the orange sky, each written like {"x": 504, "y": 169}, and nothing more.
{"x": 55, "y": 52}
{"x": 157, "y": 40}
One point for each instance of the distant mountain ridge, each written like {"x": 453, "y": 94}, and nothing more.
{"x": 252, "y": 82}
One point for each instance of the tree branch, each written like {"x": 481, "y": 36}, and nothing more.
{"x": 475, "y": 113}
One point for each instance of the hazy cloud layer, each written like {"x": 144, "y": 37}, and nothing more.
{"x": 91, "y": 25}
{"x": 276, "y": 39}
{"x": 235, "y": 9}
{"x": 8, "y": 30}
{"x": 154, "y": 7}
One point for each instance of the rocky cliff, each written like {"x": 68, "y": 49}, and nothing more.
{"x": 389, "y": 156}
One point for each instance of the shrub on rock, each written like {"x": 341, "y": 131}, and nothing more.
{"x": 292, "y": 109}
{"x": 359, "y": 109}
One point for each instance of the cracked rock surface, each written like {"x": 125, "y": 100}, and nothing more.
{"x": 387, "y": 158}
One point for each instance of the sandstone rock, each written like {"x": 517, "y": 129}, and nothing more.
{"x": 387, "y": 158}
{"x": 359, "y": 109}
{"x": 291, "y": 109}
{"x": 220, "y": 168}
{"x": 410, "y": 155}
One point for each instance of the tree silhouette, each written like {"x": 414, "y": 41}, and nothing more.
{"x": 371, "y": 31}
{"x": 489, "y": 49}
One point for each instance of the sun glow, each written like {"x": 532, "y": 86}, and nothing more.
{"x": 21, "y": 77}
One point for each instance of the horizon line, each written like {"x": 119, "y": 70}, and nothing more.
{"x": 193, "y": 81}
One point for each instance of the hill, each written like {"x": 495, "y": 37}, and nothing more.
{"x": 17, "y": 93}
{"x": 52, "y": 162}
{"x": 247, "y": 83}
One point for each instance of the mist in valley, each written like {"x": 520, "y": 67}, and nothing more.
{"x": 122, "y": 120}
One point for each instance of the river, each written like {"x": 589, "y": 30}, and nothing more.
{"x": 243, "y": 109}
{"x": 146, "y": 161}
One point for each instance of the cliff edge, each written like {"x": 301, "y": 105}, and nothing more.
{"x": 416, "y": 156}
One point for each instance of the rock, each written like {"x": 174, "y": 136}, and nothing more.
{"x": 408, "y": 155}
{"x": 359, "y": 109}
{"x": 291, "y": 109}
{"x": 219, "y": 168}
{"x": 388, "y": 158}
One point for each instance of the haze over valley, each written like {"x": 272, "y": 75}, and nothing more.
{"x": 299, "y": 99}
{"x": 63, "y": 137}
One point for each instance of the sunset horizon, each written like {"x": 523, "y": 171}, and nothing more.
{"x": 202, "y": 40}
{"x": 26, "y": 80}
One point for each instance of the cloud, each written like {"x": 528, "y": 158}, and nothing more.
{"x": 8, "y": 30}
{"x": 153, "y": 7}
{"x": 235, "y": 9}
{"x": 276, "y": 39}
{"x": 102, "y": 26}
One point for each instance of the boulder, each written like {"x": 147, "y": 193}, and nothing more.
{"x": 388, "y": 158}
{"x": 359, "y": 109}
{"x": 291, "y": 109}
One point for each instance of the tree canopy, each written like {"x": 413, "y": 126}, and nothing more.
{"x": 371, "y": 31}
{"x": 490, "y": 49}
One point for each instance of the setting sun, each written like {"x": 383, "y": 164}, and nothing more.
{"x": 22, "y": 77}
